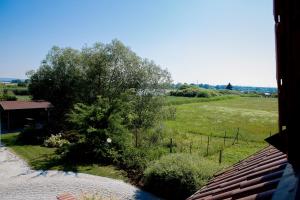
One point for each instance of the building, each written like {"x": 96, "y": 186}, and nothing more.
{"x": 15, "y": 114}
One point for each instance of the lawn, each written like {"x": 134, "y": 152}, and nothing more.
{"x": 39, "y": 157}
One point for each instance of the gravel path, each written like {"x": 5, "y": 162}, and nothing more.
{"x": 19, "y": 182}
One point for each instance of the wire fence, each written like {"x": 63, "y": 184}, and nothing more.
{"x": 209, "y": 144}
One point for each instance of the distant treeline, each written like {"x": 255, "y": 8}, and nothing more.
{"x": 244, "y": 89}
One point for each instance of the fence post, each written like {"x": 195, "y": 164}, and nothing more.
{"x": 201, "y": 139}
{"x": 207, "y": 146}
{"x": 238, "y": 132}
{"x": 191, "y": 143}
{"x": 236, "y": 138}
{"x": 224, "y": 139}
{"x": 220, "y": 156}
{"x": 171, "y": 145}
{"x": 136, "y": 138}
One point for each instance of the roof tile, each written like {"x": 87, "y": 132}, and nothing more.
{"x": 255, "y": 177}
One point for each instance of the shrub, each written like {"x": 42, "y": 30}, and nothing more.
{"x": 76, "y": 153}
{"x": 195, "y": 92}
{"x": 31, "y": 135}
{"x": 95, "y": 124}
{"x": 72, "y": 136}
{"x": 55, "y": 141}
{"x": 229, "y": 92}
{"x": 20, "y": 91}
{"x": 135, "y": 160}
{"x": 7, "y": 96}
{"x": 176, "y": 176}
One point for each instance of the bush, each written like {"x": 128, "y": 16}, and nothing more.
{"x": 135, "y": 160}
{"x": 7, "y": 96}
{"x": 176, "y": 176}
{"x": 233, "y": 92}
{"x": 32, "y": 136}
{"x": 55, "y": 141}
{"x": 195, "y": 92}
{"x": 72, "y": 136}
{"x": 76, "y": 153}
{"x": 20, "y": 91}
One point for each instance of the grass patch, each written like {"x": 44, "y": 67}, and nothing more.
{"x": 44, "y": 158}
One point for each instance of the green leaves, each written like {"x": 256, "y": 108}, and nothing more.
{"x": 68, "y": 76}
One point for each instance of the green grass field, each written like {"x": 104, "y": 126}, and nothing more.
{"x": 253, "y": 117}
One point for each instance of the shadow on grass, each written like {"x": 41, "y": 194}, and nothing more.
{"x": 52, "y": 162}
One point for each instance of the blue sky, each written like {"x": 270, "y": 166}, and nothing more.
{"x": 204, "y": 41}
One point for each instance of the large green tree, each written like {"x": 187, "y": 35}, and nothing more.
{"x": 67, "y": 76}
{"x": 112, "y": 69}
{"x": 59, "y": 79}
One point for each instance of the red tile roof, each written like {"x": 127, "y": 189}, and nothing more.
{"x": 256, "y": 177}
{"x": 20, "y": 105}
{"x": 66, "y": 196}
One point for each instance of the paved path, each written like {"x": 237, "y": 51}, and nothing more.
{"x": 19, "y": 182}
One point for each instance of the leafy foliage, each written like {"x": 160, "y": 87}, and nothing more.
{"x": 58, "y": 80}
{"x": 55, "y": 141}
{"x": 7, "y": 96}
{"x": 69, "y": 76}
{"x": 31, "y": 135}
{"x": 176, "y": 176}
{"x": 96, "y": 123}
{"x": 194, "y": 91}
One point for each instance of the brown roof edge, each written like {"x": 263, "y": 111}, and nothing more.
{"x": 23, "y": 105}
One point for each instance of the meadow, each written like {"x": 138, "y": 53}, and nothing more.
{"x": 252, "y": 118}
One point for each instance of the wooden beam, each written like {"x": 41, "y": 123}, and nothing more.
{"x": 8, "y": 121}
{"x": 287, "y": 29}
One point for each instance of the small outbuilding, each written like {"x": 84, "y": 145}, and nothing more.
{"x": 15, "y": 115}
